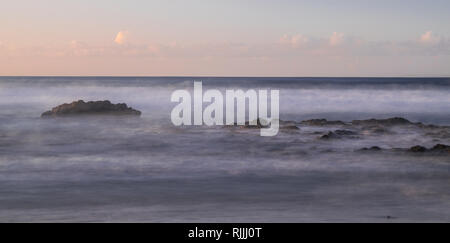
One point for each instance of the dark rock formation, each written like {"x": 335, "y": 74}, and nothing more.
{"x": 289, "y": 127}
{"x": 373, "y": 148}
{"x": 91, "y": 108}
{"x": 338, "y": 134}
{"x": 345, "y": 133}
{"x": 258, "y": 124}
{"x": 330, "y": 135}
{"x": 321, "y": 122}
{"x": 396, "y": 121}
{"x": 418, "y": 149}
{"x": 371, "y": 125}
{"x": 439, "y": 148}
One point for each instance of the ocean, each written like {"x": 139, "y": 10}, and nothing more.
{"x": 145, "y": 169}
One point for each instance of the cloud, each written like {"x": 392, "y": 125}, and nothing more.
{"x": 77, "y": 44}
{"x": 122, "y": 37}
{"x": 336, "y": 39}
{"x": 289, "y": 47}
{"x": 429, "y": 38}
{"x": 294, "y": 41}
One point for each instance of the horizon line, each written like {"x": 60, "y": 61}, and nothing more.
{"x": 214, "y": 76}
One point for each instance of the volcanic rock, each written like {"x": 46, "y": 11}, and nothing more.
{"x": 80, "y": 107}
{"x": 396, "y": 121}
{"x": 321, "y": 122}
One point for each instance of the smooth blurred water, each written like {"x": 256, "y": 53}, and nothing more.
{"x": 145, "y": 169}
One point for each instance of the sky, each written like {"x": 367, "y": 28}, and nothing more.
{"x": 225, "y": 38}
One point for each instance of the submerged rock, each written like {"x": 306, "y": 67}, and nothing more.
{"x": 439, "y": 148}
{"x": 321, "y": 122}
{"x": 418, "y": 149}
{"x": 330, "y": 135}
{"x": 345, "y": 133}
{"x": 91, "y": 108}
{"x": 259, "y": 124}
{"x": 371, "y": 125}
{"x": 383, "y": 122}
{"x": 373, "y": 148}
{"x": 289, "y": 127}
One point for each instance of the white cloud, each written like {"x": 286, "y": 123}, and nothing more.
{"x": 429, "y": 38}
{"x": 294, "y": 41}
{"x": 122, "y": 37}
{"x": 336, "y": 39}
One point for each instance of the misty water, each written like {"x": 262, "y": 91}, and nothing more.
{"x": 128, "y": 169}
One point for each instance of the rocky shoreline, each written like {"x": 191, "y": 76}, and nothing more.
{"x": 355, "y": 129}
{"x": 389, "y": 122}
{"x": 436, "y": 149}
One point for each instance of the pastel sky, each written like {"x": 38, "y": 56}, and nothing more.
{"x": 225, "y": 38}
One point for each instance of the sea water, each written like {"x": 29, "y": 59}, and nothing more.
{"x": 119, "y": 169}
